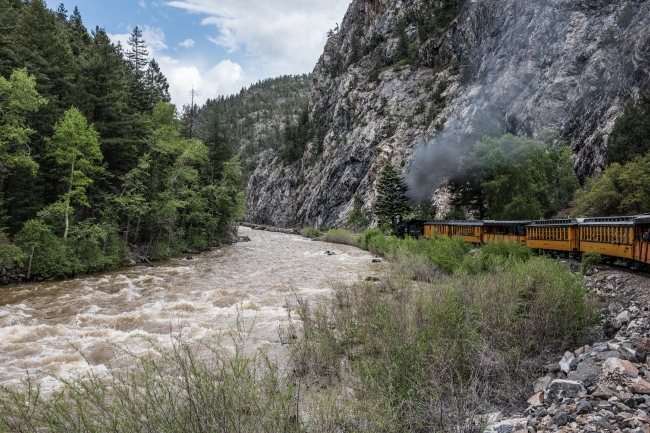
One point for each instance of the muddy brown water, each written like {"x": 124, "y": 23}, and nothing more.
{"x": 69, "y": 327}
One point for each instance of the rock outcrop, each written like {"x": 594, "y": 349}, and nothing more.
{"x": 517, "y": 66}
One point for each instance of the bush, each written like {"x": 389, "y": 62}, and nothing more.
{"x": 11, "y": 255}
{"x": 589, "y": 260}
{"x": 341, "y": 236}
{"x": 53, "y": 257}
{"x": 310, "y": 232}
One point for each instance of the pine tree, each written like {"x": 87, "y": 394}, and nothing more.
{"x": 391, "y": 202}
{"x": 138, "y": 53}
{"x": 157, "y": 83}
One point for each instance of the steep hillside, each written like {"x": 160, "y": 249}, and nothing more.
{"x": 255, "y": 118}
{"x": 419, "y": 81}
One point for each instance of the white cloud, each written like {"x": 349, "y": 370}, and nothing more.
{"x": 223, "y": 79}
{"x": 187, "y": 43}
{"x": 287, "y": 36}
{"x": 154, "y": 37}
{"x": 142, "y": 4}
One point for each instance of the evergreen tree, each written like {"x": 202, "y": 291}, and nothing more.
{"x": 391, "y": 202}
{"x": 157, "y": 83}
{"x": 631, "y": 134}
{"x": 138, "y": 53}
{"x": 9, "y": 10}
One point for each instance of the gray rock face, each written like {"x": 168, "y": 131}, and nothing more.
{"x": 513, "y": 66}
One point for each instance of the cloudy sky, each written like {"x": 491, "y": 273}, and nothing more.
{"x": 220, "y": 46}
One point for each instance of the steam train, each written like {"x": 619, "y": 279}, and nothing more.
{"x": 625, "y": 239}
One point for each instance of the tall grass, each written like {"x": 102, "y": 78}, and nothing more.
{"x": 448, "y": 334}
{"x": 341, "y": 236}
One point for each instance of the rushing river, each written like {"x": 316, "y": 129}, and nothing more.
{"x": 68, "y": 327}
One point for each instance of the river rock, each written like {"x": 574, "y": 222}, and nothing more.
{"x": 560, "y": 389}
{"x": 612, "y": 365}
{"x": 640, "y": 387}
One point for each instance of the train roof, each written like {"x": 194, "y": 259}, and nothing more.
{"x": 506, "y": 223}
{"x": 609, "y": 221}
{"x": 642, "y": 219}
{"x": 473, "y": 223}
{"x": 556, "y": 222}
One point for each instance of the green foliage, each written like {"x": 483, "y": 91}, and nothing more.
{"x": 11, "y": 255}
{"x": 75, "y": 147}
{"x": 425, "y": 210}
{"x": 512, "y": 178}
{"x": 631, "y": 134}
{"x": 111, "y": 157}
{"x": 391, "y": 202}
{"x": 53, "y": 257}
{"x": 589, "y": 260}
{"x": 296, "y": 138}
{"x": 310, "y": 232}
{"x": 427, "y": 355}
{"x": 620, "y": 190}
{"x": 341, "y": 236}
{"x": 626, "y": 15}
{"x": 18, "y": 98}
{"x": 356, "y": 221}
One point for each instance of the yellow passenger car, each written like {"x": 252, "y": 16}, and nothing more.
{"x": 555, "y": 235}
{"x": 507, "y": 231}
{"x": 470, "y": 231}
{"x": 642, "y": 239}
{"x": 433, "y": 228}
{"x": 610, "y": 236}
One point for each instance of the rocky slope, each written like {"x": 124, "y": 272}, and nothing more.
{"x": 515, "y": 66}
{"x": 601, "y": 387}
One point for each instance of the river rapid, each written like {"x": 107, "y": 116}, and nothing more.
{"x": 69, "y": 327}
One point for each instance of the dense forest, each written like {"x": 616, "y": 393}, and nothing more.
{"x": 266, "y": 115}
{"x": 96, "y": 165}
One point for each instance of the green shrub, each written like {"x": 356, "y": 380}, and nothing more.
{"x": 589, "y": 260}
{"x": 310, "y": 232}
{"x": 11, "y": 255}
{"x": 341, "y": 236}
{"x": 53, "y": 257}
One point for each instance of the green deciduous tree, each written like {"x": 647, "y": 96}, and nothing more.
{"x": 622, "y": 189}
{"x": 391, "y": 202}
{"x": 75, "y": 146}
{"x": 18, "y": 97}
{"x": 515, "y": 178}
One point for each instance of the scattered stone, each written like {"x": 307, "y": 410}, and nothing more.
{"x": 189, "y": 258}
{"x": 540, "y": 384}
{"x": 565, "y": 365}
{"x": 640, "y": 387}
{"x": 583, "y": 407}
{"x": 330, "y": 253}
{"x": 376, "y": 260}
{"x": 374, "y": 279}
{"x": 612, "y": 365}
{"x": 560, "y": 389}
{"x": 562, "y": 418}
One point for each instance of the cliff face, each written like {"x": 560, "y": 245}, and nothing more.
{"x": 517, "y": 66}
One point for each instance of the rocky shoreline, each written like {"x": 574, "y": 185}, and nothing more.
{"x": 270, "y": 228}
{"x": 602, "y": 387}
